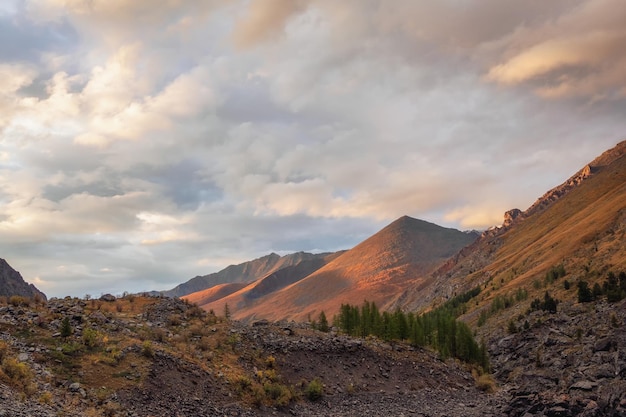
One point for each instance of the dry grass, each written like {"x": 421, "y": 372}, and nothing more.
{"x": 584, "y": 230}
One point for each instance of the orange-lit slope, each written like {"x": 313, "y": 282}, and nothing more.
{"x": 377, "y": 269}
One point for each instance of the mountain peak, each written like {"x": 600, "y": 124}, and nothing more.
{"x": 12, "y": 283}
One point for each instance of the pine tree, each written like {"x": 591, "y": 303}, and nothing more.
{"x": 66, "y": 328}
{"x": 322, "y": 322}
{"x": 584, "y": 293}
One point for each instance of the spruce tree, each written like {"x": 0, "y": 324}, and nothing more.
{"x": 66, "y": 328}
{"x": 322, "y": 322}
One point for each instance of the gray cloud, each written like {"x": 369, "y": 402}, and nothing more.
{"x": 143, "y": 144}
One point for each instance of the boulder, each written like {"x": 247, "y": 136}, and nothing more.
{"x": 108, "y": 298}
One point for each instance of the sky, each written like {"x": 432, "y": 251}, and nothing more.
{"x": 145, "y": 142}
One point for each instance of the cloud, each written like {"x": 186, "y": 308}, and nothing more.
{"x": 581, "y": 54}
{"x": 144, "y": 143}
{"x": 263, "y": 20}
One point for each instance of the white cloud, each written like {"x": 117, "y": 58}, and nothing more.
{"x": 163, "y": 140}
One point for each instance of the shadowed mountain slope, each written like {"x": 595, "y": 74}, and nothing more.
{"x": 12, "y": 283}
{"x": 377, "y": 269}
{"x": 247, "y": 295}
{"x": 244, "y": 272}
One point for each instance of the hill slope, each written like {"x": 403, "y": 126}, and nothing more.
{"x": 239, "y": 296}
{"x": 244, "y": 272}
{"x": 12, "y": 283}
{"x": 580, "y": 224}
{"x": 377, "y": 269}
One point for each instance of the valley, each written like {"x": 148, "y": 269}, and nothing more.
{"x": 544, "y": 295}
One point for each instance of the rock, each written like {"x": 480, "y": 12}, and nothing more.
{"x": 510, "y": 216}
{"x": 98, "y": 317}
{"x": 604, "y": 344}
{"x": 584, "y": 385}
{"x": 108, "y": 298}
{"x": 558, "y": 411}
{"x": 22, "y": 357}
{"x": 74, "y": 387}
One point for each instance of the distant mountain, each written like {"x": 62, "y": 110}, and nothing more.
{"x": 214, "y": 293}
{"x": 241, "y": 273}
{"x": 377, "y": 269}
{"x": 580, "y": 224}
{"x": 12, "y": 283}
{"x": 240, "y": 296}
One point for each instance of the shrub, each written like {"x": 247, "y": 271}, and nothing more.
{"x": 486, "y": 383}
{"x": 18, "y": 373}
{"x": 174, "y": 320}
{"x": 270, "y": 362}
{"x": 45, "y": 398}
{"x": 548, "y": 304}
{"x": 278, "y": 393}
{"x": 243, "y": 383}
{"x": 16, "y": 301}
{"x": 512, "y": 328}
{"x": 204, "y": 344}
{"x": 147, "y": 350}
{"x": 91, "y": 338}
{"x": 314, "y": 390}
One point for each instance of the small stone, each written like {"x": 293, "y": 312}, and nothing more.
{"x": 22, "y": 357}
{"x": 74, "y": 387}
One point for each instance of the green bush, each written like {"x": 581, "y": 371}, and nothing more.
{"x": 314, "y": 390}
{"x": 147, "y": 350}
{"x": 91, "y": 338}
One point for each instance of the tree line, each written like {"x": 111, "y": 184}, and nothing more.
{"x": 438, "y": 329}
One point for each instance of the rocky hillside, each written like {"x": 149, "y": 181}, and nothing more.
{"x": 580, "y": 224}
{"x": 140, "y": 356}
{"x": 397, "y": 257}
{"x": 12, "y": 283}
{"x": 245, "y": 272}
{"x": 568, "y": 363}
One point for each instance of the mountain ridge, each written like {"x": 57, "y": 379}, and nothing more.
{"x": 12, "y": 283}
{"x": 579, "y": 211}
{"x": 244, "y": 272}
{"x": 402, "y": 252}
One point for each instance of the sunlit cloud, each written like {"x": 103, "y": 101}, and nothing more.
{"x": 143, "y": 143}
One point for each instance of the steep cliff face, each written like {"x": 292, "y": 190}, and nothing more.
{"x": 12, "y": 283}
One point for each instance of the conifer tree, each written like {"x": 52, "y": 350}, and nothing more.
{"x": 66, "y": 327}
{"x": 322, "y": 322}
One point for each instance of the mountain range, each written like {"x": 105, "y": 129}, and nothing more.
{"x": 544, "y": 293}
{"x": 411, "y": 264}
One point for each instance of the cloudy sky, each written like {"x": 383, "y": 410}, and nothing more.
{"x": 145, "y": 142}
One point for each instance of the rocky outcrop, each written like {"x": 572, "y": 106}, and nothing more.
{"x": 572, "y": 363}
{"x": 575, "y": 180}
{"x": 510, "y": 216}
{"x": 12, "y": 283}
